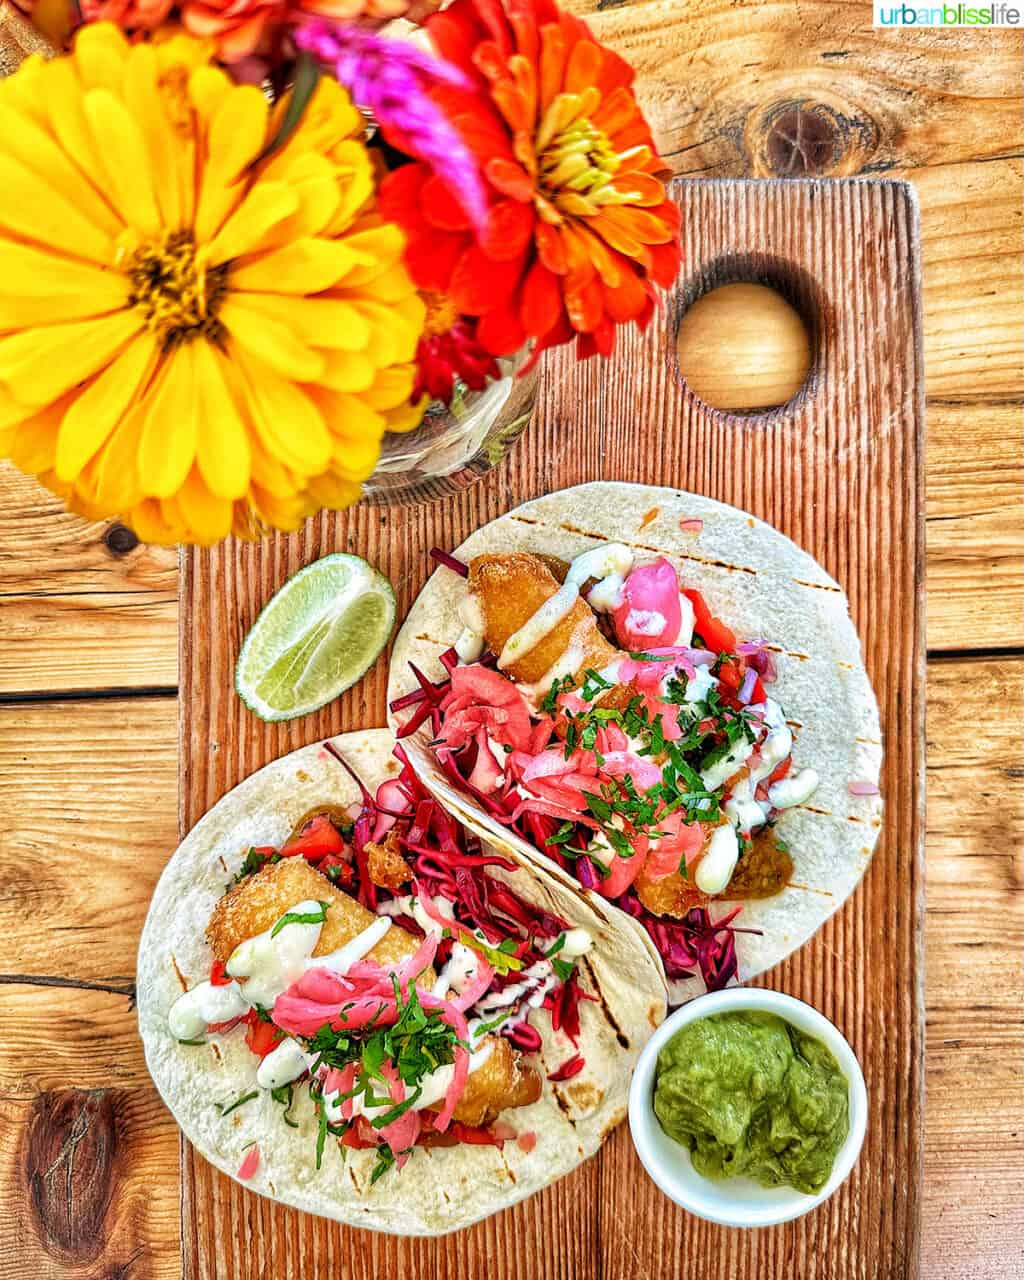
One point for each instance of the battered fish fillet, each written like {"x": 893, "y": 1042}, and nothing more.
{"x": 670, "y": 895}
{"x": 503, "y": 1082}
{"x": 253, "y": 906}
{"x": 510, "y": 589}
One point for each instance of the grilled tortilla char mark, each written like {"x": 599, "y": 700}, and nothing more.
{"x": 253, "y": 906}
{"x": 510, "y": 589}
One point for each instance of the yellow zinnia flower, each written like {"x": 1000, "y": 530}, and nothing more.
{"x": 188, "y": 343}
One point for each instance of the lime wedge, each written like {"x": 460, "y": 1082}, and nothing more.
{"x": 315, "y": 638}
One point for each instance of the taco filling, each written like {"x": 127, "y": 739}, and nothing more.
{"x": 603, "y": 712}
{"x": 376, "y": 960}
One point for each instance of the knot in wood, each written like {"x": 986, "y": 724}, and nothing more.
{"x": 120, "y": 539}
{"x": 69, "y": 1168}
{"x": 803, "y": 140}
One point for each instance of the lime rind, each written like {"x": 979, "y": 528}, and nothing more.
{"x": 315, "y": 638}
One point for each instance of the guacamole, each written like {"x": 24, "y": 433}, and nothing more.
{"x": 748, "y": 1093}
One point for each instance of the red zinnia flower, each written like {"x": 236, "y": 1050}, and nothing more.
{"x": 449, "y": 349}
{"x": 579, "y": 229}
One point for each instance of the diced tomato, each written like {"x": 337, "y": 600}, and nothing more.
{"x": 218, "y": 974}
{"x": 758, "y": 694}
{"x": 526, "y": 1141}
{"x": 473, "y": 1136}
{"x": 360, "y": 1136}
{"x": 730, "y": 677}
{"x": 260, "y": 1036}
{"x": 715, "y": 634}
{"x": 317, "y": 838}
{"x": 779, "y": 771}
{"x": 341, "y": 871}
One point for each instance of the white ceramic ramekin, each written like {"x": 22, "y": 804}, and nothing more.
{"x": 738, "y": 1202}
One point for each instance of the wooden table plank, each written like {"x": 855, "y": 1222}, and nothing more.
{"x": 974, "y": 940}
{"x": 88, "y": 1152}
{"x": 841, "y": 473}
{"x": 975, "y": 528}
{"x": 974, "y": 1135}
{"x": 73, "y": 613}
{"x": 86, "y": 825}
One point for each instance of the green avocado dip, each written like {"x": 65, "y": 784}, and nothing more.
{"x": 748, "y": 1093}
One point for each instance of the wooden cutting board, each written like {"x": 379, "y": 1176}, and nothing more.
{"x": 840, "y": 470}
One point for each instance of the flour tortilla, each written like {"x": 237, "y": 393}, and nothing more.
{"x": 764, "y": 586}
{"x": 440, "y": 1189}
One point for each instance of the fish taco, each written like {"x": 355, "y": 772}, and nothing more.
{"x": 356, "y": 1007}
{"x": 662, "y": 698}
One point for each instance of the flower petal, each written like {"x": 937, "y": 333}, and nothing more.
{"x": 237, "y": 132}
{"x": 96, "y": 411}
{"x": 267, "y": 205}
{"x": 167, "y": 445}
{"x": 33, "y": 210}
{"x": 207, "y": 516}
{"x": 306, "y": 266}
{"x": 287, "y": 420}
{"x": 222, "y": 447}
{"x": 118, "y": 139}
{"x": 26, "y": 272}
{"x": 34, "y": 147}
{"x": 271, "y": 341}
{"x": 331, "y": 323}
{"x": 39, "y": 365}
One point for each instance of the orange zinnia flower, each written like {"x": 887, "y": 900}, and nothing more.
{"x": 579, "y": 229}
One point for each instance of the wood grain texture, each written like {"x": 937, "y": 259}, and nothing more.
{"x": 974, "y": 1153}
{"x": 86, "y": 1145}
{"x": 86, "y": 825}
{"x": 840, "y": 472}
{"x": 75, "y": 614}
{"x": 975, "y": 529}
{"x": 974, "y": 934}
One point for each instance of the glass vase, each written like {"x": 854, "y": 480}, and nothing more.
{"x": 455, "y": 445}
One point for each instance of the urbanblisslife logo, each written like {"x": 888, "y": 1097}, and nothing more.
{"x": 998, "y": 14}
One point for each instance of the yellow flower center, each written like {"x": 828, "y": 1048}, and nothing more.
{"x": 441, "y": 314}
{"x": 179, "y": 296}
{"x": 580, "y": 158}
{"x": 576, "y": 160}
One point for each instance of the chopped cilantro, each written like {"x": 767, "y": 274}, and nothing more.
{"x": 301, "y": 917}
{"x": 253, "y": 862}
{"x": 239, "y": 1102}
{"x": 284, "y": 1095}
{"x": 550, "y": 703}
{"x": 563, "y": 834}
{"x": 593, "y": 684}
{"x": 397, "y": 1111}
{"x": 385, "y": 1160}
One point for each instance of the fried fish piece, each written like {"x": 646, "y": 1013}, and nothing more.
{"x": 504, "y": 1081}
{"x": 249, "y": 908}
{"x": 669, "y": 895}
{"x": 385, "y": 863}
{"x": 254, "y": 905}
{"x": 510, "y": 589}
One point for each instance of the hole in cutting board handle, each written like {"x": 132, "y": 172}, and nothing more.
{"x": 747, "y": 335}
